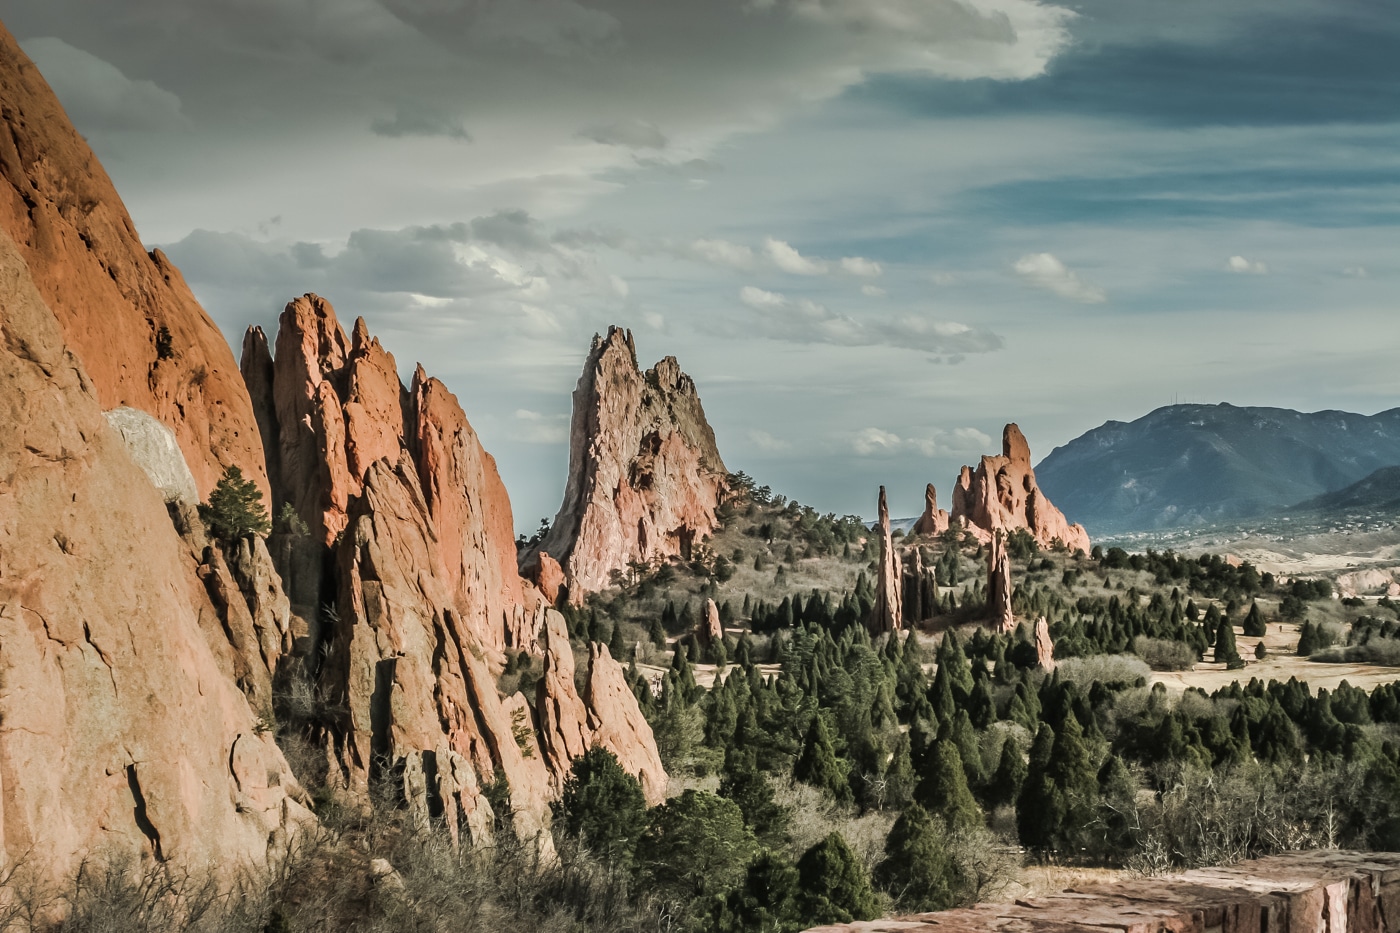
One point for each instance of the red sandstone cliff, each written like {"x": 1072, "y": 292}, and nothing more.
{"x": 1002, "y": 495}
{"x": 645, "y": 476}
{"x": 126, "y": 313}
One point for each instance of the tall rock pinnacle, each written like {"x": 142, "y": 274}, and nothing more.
{"x": 887, "y": 613}
{"x": 645, "y": 476}
{"x": 1002, "y": 495}
{"x": 934, "y": 521}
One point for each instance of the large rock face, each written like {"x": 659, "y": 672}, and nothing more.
{"x": 336, "y": 406}
{"x": 126, "y": 313}
{"x": 645, "y": 476}
{"x": 120, "y": 726}
{"x": 1001, "y": 495}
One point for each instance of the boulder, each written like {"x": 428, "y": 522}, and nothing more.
{"x": 1001, "y": 495}
{"x": 886, "y": 615}
{"x": 645, "y": 476}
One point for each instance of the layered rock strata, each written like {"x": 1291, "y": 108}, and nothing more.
{"x": 121, "y": 729}
{"x": 1328, "y": 890}
{"x": 999, "y": 614}
{"x": 934, "y": 521}
{"x": 1001, "y": 495}
{"x": 887, "y": 614}
{"x": 126, "y": 313}
{"x": 645, "y": 476}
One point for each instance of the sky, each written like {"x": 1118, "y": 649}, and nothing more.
{"x": 873, "y": 231}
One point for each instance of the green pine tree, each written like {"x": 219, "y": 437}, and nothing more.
{"x": 917, "y": 870}
{"x": 602, "y": 805}
{"x": 943, "y": 790}
{"x": 834, "y": 883}
{"x": 818, "y": 764}
{"x": 235, "y": 509}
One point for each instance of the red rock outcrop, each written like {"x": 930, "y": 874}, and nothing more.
{"x": 1002, "y": 495}
{"x": 920, "y": 585}
{"x": 337, "y": 407}
{"x": 887, "y": 614}
{"x": 127, "y": 314}
{"x": 563, "y": 726}
{"x": 548, "y": 577}
{"x": 999, "y": 614}
{"x": 710, "y": 630}
{"x": 934, "y": 521}
{"x": 1044, "y": 647}
{"x": 121, "y": 729}
{"x": 1326, "y": 890}
{"x": 645, "y": 476}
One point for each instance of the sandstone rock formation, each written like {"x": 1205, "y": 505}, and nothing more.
{"x": 607, "y": 714}
{"x": 645, "y": 476}
{"x": 999, "y": 614}
{"x": 337, "y": 407}
{"x": 934, "y": 521}
{"x": 1002, "y": 495}
{"x": 887, "y": 615}
{"x": 1326, "y": 890}
{"x": 126, "y": 313}
{"x": 1044, "y": 647}
{"x": 544, "y": 571}
{"x": 710, "y": 630}
{"x": 920, "y": 586}
{"x": 120, "y": 727}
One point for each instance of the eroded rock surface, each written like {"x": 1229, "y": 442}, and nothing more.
{"x": 1001, "y": 495}
{"x": 645, "y": 476}
{"x": 920, "y": 585}
{"x": 999, "y": 614}
{"x": 887, "y": 614}
{"x": 934, "y": 521}
{"x": 1044, "y": 647}
{"x": 144, "y": 341}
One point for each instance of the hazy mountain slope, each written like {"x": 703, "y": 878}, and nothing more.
{"x": 1379, "y": 492}
{"x": 1196, "y": 464}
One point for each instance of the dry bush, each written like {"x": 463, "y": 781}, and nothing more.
{"x": 1105, "y": 668}
{"x": 1163, "y": 654}
{"x": 814, "y": 816}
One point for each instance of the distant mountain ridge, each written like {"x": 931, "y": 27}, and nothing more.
{"x": 1378, "y": 492}
{"x": 1185, "y": 465}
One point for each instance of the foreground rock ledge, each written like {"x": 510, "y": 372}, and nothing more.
{"x": 1304, "y": 892}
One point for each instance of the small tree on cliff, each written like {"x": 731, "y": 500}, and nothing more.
{"x": 235, "y": 508}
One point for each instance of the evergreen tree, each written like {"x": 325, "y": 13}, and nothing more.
{"x": 818, "y": 764}
{"x": 602, "y": 805}
{"x": 617, "y": 645}
{"x": 917, "y": 870}
{"x": 695, "y": 845}
{"x": 1006, "y": 783}
{"x": 1254, "y": 626}
{"x": 767, "y": 901}
{"x": 1225, "y": 651}
{"x": 765, "y": 817}
{"x": 235, "y": 509}
{"x": 835, "y": 886}
{"x": 657, "y": 633}
{"x": 943, "y": 790}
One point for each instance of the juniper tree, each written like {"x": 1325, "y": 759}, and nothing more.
{"x": 235, "y": 509}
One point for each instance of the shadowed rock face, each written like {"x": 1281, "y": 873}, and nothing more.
{"x": 999, "y": 614}
{"x": 887, "y": 614}
{"x": 121, "y": 725}
{"x": 645, "y": 476}
{"x": 1002, "y": 495}
{"x": 127, "y": 314}
{"x": 1335, "y": 891}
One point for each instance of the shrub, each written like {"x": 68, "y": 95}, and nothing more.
{"x": 1162, "y": 654}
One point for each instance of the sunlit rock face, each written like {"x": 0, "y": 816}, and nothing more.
{"x": 645, "y": 476}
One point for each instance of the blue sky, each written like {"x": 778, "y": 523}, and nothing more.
{"x": 872, "y": 230}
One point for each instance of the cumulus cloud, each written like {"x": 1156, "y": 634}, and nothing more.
{"x": 801, "y": 320}
{"x": 415, "y": 121}
{"x": 722, "y": 253}
{"x": 1242, "y": 266}
{"x": 873, "y": 441}
{"x": 788, "y": 259}
{"x": 1044, "y": 270}
{"x": 865, "y": 268}
{"x": 97, "y": 96}
{"x": 633, "y": 134}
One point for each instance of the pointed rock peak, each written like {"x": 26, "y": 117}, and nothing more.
{"x": 255, "y": 345}
{"x": 930, "y": 499}
{"x": 1044, "y": 647}
{"x": 887, "y": 614}
{"x": 420, "y": 377}
{"x": 934, "y": 521}
{"x": 1014, "y": 446}
{"x": 360, "y": 337}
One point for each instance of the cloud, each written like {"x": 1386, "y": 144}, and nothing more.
{"x": 532, "y": 427}
{"x": 788, "y": 259}
{"x": 1240, "y": 265}
{"x": 97, "y": 96}
{"x": 873, "y": 291}
{"x": 633, "y": 134}
{"x": 872, "y": 441}
{"x": 802, "y": 320}
{"x": 414, "y": 121}
{"x": 723, "y": 253}
{"x": 1355, "y": 272}
{"x": 1044, "y": 270}
{"x": 865, "y": 268}
{"x": 767, "y": 442}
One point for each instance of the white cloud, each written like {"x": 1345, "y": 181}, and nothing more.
{"x": 873, "y": 441}
{"x": 865, "y": 268}
{"x": 1242, "y": 266}
{"x": 788, "y": 259}
{"x": 532, "y": 427}
{"x": 873, "y": 291}
{"x": 944, "y": 279}
{"x": 1355, "y": 272}
{"x": 97, "y": 96}
{"x": 632, "y": 134}
{"x": 619, "y": 286}
{"x": 1044, "y": 270}
{"x": 723, "y": 253}
{"x": 801, "y": 320}
{"x": 767, "y": 442}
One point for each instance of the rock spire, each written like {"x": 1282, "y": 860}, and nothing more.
{"x": 999, "y": 614}
{"x": 1001, "y": 495}
{"x": 934, "y": 521}
{"x": 645, "y": 476}
{"x": 887, "y": 615}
